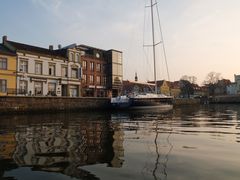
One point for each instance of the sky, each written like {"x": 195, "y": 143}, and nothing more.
{"x": 200, "y": 36}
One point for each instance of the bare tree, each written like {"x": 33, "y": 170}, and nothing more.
{"x": 212, "y": 78}
{"x": 191, "y": 79}
{"x": 211, "y": 82}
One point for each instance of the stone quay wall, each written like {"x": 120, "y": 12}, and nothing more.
{"x": 26, "y": 104}
{"x": 225, "y": 99}
{"x": 186, "y": 101}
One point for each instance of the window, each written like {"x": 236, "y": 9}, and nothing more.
{"x": 104, "y": 80}
{"x": 3, "y": 85}
{"x": 23, "y": 87}
{"x": 98, "y": 80}
{"x": 74, "y": 73}
{"x": 23, "y": 66}
{"x": 98, "y": 68}
{"x": 116, "y": 57}
{"x": 3, "y": 63}
{"x": 64, "y": 71}
{"x": 103, "y": 67}
{"x": 84, "y": 78}
{"x": 52, "y": 69}
{"x": 117, "y": 69}
{"x": 92, "y": 66}
{"x": 97, "y": 55}
{"x": 52, "y": 89}
{"x": 38, "y": 87}
{"x": 73, "y": 91}
{"x": 83, "y": 53}
{"x": 38, "y": 68}
{"x": 84, "y": 64}
{"x": 71, "y": 57}
{"x": 91, "y": 79}
{"x": 77, "y": 58}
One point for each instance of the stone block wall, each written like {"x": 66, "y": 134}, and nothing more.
{"x": 16, "y": 104}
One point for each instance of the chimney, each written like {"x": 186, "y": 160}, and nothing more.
{"x": 51, "y": 47}
{"x": 59, "y": 46}
{"x": 4, "y": 38}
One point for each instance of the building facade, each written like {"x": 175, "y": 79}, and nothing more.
{"x": 73, "y": 71}
{"x": 115, "y": 72}
{"x": 45, "y": 72}
{"x": 162, "y": 87}
{"x": 8, "y": 67}
{"x": 101, "y": 72}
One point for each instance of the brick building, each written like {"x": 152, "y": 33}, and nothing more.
{"x": 101, "y": 72}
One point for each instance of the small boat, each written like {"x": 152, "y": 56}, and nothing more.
{"x": 142, "y": 101}
{"x": 151, "y": 100}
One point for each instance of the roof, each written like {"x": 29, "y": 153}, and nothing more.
{"x": 86, "y": 47}
{"x": 38, "y": 50}
{"x": 6, "y": 51}
{"x": 135, "y": 82}
{"x": 159, "y": 82}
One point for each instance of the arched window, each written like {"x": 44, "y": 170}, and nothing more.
{"x": 77, "y": 59}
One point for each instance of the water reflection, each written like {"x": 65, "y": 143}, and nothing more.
{"x": 179, "y": 144}
{"x": 60, "y": 144}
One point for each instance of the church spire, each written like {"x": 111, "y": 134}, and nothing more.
{"x": 136, "y": 77}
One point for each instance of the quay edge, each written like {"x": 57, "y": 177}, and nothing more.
{"x": 29, "y": 104}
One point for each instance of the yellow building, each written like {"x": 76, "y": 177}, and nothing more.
{"x": 175, "y": 89}
{"x": 8, "y": 66}
{"x": 164, "y": 88}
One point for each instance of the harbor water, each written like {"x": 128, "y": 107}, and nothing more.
{"x": 199, "y": 142}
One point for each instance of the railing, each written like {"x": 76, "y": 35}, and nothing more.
{"x": 12, "y": 91}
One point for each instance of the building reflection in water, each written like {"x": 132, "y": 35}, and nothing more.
{"x": 151, "y": 143}
{"x": 61, "y": 145}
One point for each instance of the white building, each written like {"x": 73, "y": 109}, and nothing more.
{"x": 234, "y": 88}
{"x": 46, "y": 72}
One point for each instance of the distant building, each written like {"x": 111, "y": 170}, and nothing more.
{"x": 237, "y": 81}
{"x": 131, "y": 87}
{"x": 102, "y": 72}
{"x": 175, "y": 89}
{"x": 162, "y": 87}
{"x": 8, "y": 66}
{"x": 234, "y": 88}
{"x": 221, "y": 87}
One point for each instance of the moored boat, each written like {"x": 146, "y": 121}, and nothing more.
{"x": 147, "y": 100}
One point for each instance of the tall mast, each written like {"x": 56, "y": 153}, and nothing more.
{"x": 154, "y": 51}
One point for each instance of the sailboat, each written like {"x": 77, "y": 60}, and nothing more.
{"x": 147, "y": 100}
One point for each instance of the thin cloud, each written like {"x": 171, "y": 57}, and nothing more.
{"x": 52, "y": 6}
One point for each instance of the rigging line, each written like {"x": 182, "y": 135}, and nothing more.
{"x": 144, "y": 29}
{"x": 161, "y": 33}
{"x": 144, "y": 24}
{"x": 148, "y": 62}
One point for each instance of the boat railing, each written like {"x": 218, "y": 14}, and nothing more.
{"x": 120, "y": 99}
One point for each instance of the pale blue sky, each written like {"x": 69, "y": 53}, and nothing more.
{"x": 200, "y": 35}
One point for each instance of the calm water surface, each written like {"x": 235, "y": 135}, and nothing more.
{"x": 186, "y": 143}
